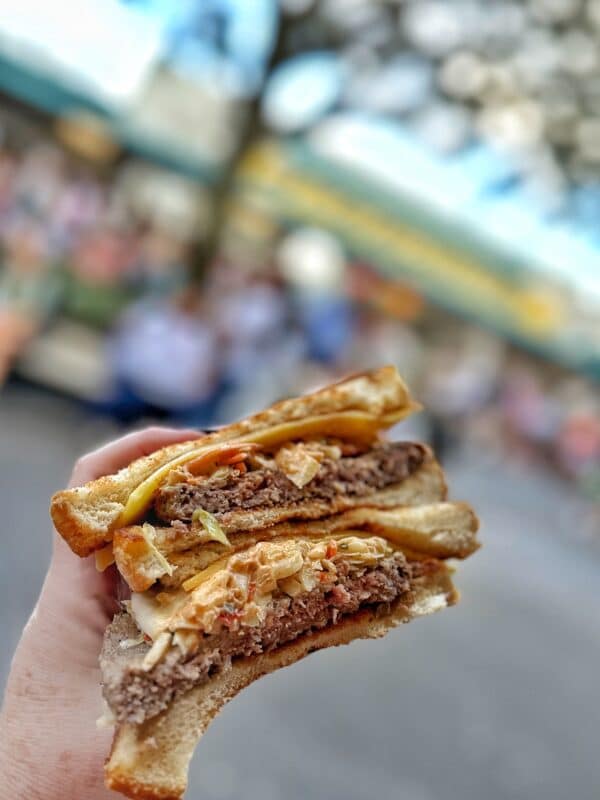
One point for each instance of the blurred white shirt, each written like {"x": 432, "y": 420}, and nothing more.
{"x": 166, "y": 355}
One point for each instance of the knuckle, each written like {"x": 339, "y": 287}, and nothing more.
{"x": 152, "y": 430}
{"x": 81, "y": 463}
{"x": 81, "y": 470}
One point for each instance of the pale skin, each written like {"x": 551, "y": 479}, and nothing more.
{"x": 50, "y": 747}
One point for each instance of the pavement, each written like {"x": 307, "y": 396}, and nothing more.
{"x": 495, "y": 699}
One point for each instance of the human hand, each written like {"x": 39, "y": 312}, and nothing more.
{"x": 50, "y": 747}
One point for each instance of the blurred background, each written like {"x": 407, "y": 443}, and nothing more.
{"x": 209, "y": 205}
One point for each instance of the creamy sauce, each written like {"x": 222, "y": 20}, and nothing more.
{"x": 239, "y": 587}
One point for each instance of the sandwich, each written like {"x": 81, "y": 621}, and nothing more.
{"x": 298, "y": 528}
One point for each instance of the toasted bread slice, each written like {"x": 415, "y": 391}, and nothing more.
{"x": 139, "y": 559}
{"x": 86, "y": 516}
{"x": 437, "y": 530}
{"x": 151, "y": 761}
{"x": 441, "y": 530}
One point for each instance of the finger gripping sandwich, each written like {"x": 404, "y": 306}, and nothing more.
{"x": 295, "y": 529}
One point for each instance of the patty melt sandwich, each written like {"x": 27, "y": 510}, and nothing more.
{"x": 295, "y": 529}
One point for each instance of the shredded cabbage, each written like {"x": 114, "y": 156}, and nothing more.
{"x": 213, "y": 531}
{"x": 104, "y": 557}
{"x": 157, "y": 651}
{"x": 159, "y": 565}
{"x": 298, "y": 464}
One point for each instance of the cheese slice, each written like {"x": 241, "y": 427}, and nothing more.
{"x": 104, "y": 557}
{"x": 345, "y": 424}
{"x": 152, "y": 617}
{"x": 202, "y": 576}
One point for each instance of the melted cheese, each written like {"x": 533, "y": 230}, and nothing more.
{"x": 202, "y": 576}
{"x": 387, "y": 420}
{"x": 346, "y": 425}
{"x": 104, "y": 557}
{"x": 153, "y": 617}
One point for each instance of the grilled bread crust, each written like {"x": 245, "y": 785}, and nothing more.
{"x": 439, "y": 522}
{"x": 151, "y": 761}
{"x": 86, "y": 516}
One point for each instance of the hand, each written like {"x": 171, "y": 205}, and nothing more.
{"x": 49, "y": 744}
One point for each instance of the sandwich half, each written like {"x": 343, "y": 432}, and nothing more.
{"x": 295, "y": 529}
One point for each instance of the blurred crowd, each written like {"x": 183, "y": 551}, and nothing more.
{"x": 114, "y": 242}
{"x": 203, "y": 357}
{"x": 77, "y": 240}
{"x": 204, "y": 351}
{"x": 503, "y": 403}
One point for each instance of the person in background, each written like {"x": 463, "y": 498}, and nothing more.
{"x": 251, "y": 322}
{"x": 532, "y": 416}
{"x": 79, "y": 208}
{"x": 384, "y": 340}
{"x": 259, "y": 348}
{"x": 159, "y": 269}
{"x": 460, "y": 379}
{"x": 40, "y": 180}
{"x": 578, "y": 437}
{"x": 8, "y": 175}
{"x": 29, "y": 289}
{"x": 164, "y": 359}
{"x": 313, "y": 265}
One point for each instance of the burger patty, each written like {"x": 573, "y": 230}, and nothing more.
{"x": 135, "y": 695}
{"x": 355, "y": 476}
